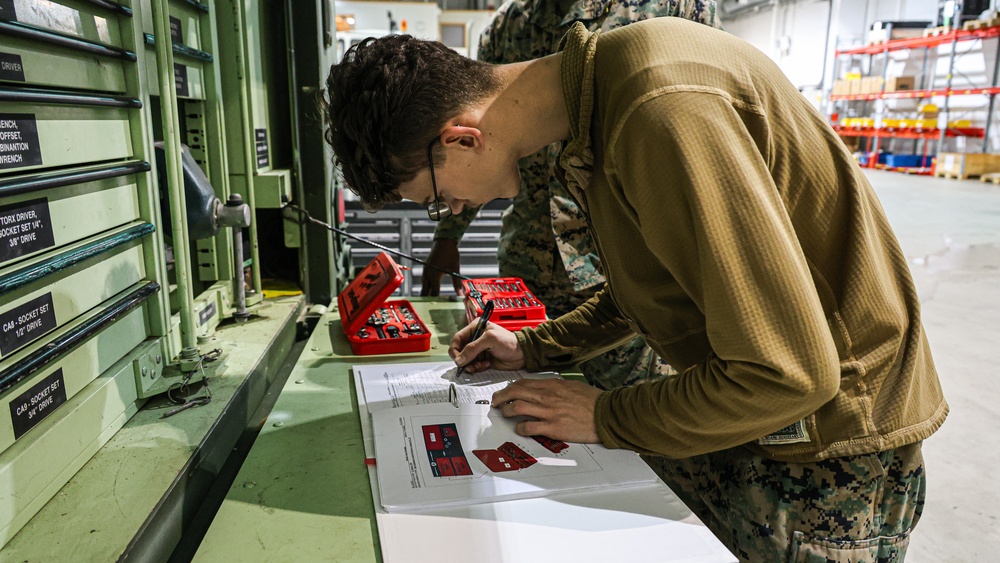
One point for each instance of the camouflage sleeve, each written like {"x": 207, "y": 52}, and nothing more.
{"x": 490, "y": 40}
{"x": 454, "y": 227}
{"x": 701, "y": 11}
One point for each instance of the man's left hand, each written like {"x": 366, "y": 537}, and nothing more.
{"x": 563, "y": 410}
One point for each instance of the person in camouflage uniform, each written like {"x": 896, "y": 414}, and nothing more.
{"x": 544, "y": 238}
{"x": 859, "y": 509}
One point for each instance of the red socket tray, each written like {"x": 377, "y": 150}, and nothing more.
{"x": 514, "y": 306}
{"x": 374, "y": 325}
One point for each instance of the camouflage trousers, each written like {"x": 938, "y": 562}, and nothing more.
{"x": 857, "y": 509}
{"x": 632, "y": 362}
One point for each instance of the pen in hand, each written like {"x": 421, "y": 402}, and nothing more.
{"x": 480, "y": 327}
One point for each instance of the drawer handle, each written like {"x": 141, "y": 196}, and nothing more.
{"x": 18, "y": 29}
{"x": 34, "y": 96}
{"x": 197, "y": 5}
{"x": 179, "y": 49}
{"x": 24, "y": 276}
{"x": 62, "y": 344}
{"x": 28, "y": 184}
{"x": 113, "y": 6}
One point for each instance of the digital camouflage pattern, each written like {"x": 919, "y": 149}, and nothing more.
{"x": 544, "y": 237}
{"x": 857, "y": 509}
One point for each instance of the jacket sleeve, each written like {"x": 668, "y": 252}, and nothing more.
{"x": 591, "y": 329}
{"x": 720, "y": 225}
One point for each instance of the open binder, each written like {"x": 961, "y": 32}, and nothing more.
{"x": 431, "y": 451}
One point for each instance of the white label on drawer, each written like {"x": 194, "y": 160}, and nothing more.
{"x": 19, "y": 141}
{"x": 26, "y": 322}
{"x": 25, "y": 227}
{"x": 11, "y": 67}
{"x": 32, "y": 406}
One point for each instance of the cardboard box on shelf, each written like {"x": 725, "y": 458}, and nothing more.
{"x": 964, "y": 165}
{"x": 881, "y": 35}
{"x": 840, "y": 88}
{"x": 871, "y": 84}
{"x": 900, "y": 83}
{"x": 854, "y": 87}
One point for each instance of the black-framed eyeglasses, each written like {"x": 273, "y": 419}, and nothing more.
{"x": 436, "y": 209}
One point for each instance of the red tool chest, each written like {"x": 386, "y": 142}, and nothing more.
{"x": 514, "y": 306}
{"x": 374, "y": 325}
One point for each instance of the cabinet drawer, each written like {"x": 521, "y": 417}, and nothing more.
{"x": 33, "y": 222}
{"x": 185, "y": 25}
{"x": 184, "y": 21}
{"x": 74, "y": 18}
{"x": 68, "y": 434}
{"x": 33, "y": 136}
{"x": 189, "y": 79}
{"x": 30, "y": 312}
{"x": 69, "y": 374}
{"x": 36, "y": 63}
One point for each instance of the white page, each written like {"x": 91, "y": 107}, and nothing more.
{"x": 641, "y": 523}
{"x": 395, "y": 385}
{"x": 438, "y": 455}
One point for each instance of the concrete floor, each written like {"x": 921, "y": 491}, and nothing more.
{"x": 950, "y": 233}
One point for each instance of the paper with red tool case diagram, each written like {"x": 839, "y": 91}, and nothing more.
{"x": 372, "y": 324}
{"x": 432, "y": 452}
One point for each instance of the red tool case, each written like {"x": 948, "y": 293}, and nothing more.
{"x": 374, "y": 325}
{"x": 514, "y": 306}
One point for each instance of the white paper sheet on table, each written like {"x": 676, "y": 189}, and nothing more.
{"x": 387, "y": 386}
{"x": 420, "y": 473}
{"x": 638, "y": 523}
{"x": 413, "y": 421}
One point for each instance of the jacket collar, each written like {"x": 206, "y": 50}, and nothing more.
{"x": 579, "y": 47}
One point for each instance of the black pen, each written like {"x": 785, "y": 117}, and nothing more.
{"x": 483, "y": 319}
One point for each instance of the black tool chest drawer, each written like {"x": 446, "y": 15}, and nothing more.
{"x": 44, "y": 293}
{"x": 37, "y": 136}
{"x": 67, "y": 208}
{"x": 65, "y": 44}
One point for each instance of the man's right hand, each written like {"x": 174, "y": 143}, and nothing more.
{"x": 445, "y": 255}
{"x": 496, "y": 348}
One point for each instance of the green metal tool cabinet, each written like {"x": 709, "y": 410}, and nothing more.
{"x": 81, "y": 267}
{"x": 103, "y": 301}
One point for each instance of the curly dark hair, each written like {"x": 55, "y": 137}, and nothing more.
{"x": 385, "y": 102}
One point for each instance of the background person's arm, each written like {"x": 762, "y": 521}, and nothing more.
{"x": 445, "y": 254}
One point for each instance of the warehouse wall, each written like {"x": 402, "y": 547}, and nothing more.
{"x": 798, "y": 34}
{"x": 801, "y": 36}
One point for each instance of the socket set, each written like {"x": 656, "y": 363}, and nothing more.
{"x": 515, "y": 307}
{"x": 372, "y": 324}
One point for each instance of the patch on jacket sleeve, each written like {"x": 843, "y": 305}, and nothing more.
{"x": 791, "y": 434}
